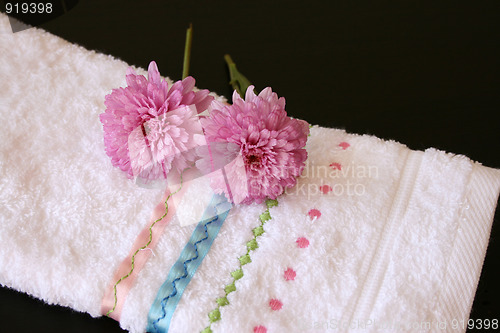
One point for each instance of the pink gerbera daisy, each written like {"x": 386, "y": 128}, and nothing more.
{"x": 271, "y": 144}
{"x": 149, "y": 124}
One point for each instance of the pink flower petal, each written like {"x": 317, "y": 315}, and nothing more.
{"x": 153, "y": 73}
{"x": 145, "y": 99}
{"x": 270, "y": 142}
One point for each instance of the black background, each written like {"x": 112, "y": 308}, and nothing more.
{"x": 424, "y": 73}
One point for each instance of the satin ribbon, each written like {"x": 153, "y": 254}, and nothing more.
{"x": 190, "y": 259}
{"x": 123, "y": 288}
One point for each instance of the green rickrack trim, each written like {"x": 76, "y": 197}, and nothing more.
{"x": 215, "y": 315}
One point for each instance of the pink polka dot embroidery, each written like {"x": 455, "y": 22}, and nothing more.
{"x": 302, "y": 242}
{"x": 336, "y": 166}
{"x": 344, "y": 145}
{"x": 325, "y": 189}
{"x": 275, "y": 304}
{"x": 314, "y": 214}
{"x": 290, "y": 274}
{"x": 260, "y": 329}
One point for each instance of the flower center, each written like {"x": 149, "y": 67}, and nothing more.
{"x": 155, "y": 126}
{"x": 253, "y": 159}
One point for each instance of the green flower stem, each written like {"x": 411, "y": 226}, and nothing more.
{"x": 187, "y": 51}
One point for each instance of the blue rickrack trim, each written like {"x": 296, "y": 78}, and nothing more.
{"x": 185, "y": 267}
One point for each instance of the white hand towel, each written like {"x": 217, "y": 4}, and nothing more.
{"x": 374, "y": 237}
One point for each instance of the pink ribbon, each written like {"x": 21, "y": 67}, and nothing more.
{"x": 123, "y": 288}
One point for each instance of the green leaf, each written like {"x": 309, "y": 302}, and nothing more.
{"x": 239, "y": 82}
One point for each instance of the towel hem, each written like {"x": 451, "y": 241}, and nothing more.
{"x": 466, "y": 260}
{"x": 380, "y": 259}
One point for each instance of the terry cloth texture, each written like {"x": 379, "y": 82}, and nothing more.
{"x": 373, "y": 235}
